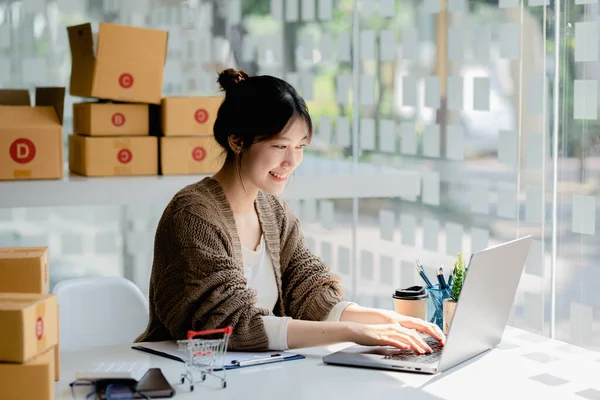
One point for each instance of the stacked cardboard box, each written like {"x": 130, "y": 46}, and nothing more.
{"x": 29, "y": 338}
{"x": 187, "y": 145}
{"x": 31, "y": 137}
{"x": 125, "y": 65}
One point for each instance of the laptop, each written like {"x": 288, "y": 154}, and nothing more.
{"x": 479, "y": 320}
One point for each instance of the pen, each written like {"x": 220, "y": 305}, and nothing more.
{"x": 421, "y": 272}
{"x": 262, "y": 360}
{"x": 440, "y": 278}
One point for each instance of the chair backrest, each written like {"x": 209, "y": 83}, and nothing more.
{"x": 99, "y": 311}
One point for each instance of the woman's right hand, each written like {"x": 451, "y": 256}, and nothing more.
{"x": 389, "y": 335}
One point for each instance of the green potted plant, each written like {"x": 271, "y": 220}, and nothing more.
{"x": 458, "y": 277}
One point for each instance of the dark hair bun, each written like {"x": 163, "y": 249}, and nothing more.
{"x": 231, "y": 77}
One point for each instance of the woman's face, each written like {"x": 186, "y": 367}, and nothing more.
{"x": 268, "y": 165}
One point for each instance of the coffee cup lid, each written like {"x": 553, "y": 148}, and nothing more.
{"x": 411, "y": 293}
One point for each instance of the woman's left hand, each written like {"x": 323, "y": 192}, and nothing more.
{"x": 419, "y": 325}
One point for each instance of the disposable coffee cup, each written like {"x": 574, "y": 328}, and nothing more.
{"x": 411, "y": 302}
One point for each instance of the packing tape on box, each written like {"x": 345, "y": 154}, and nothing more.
{"x": 18, "y": 173}
{"x": 40, "y": 312}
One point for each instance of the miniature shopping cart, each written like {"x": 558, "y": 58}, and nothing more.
{"x": 204, "y": 355}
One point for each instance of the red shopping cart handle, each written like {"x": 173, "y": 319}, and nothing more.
{"x": 227, "y": 331}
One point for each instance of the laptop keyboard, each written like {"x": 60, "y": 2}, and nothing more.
{"x": 411, "y": 356}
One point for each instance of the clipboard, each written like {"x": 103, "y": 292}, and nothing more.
{"x": 233, "y": 359}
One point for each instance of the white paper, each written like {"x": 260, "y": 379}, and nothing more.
{"x": 508, "y": 3}
{"x": 457, "y": 6}
{"x": 533, "y": 205}
{"x": 387, "y": 45}
{"x": 325, "y": 10}
{"x": 367, "y": 45}
{"x": 342, "y": 131}
{"x": 387, "y": 8}
{"x": 409, "y": 91}
{"x": 367, "y": 90}
{"x": 291, "y": 10}
{"x": 343, "y": 260}
{"x": 456, "y": 42}
{"x": 408, "y": 141}
{"x": 431, "y": 188}
{"x": 509, "y": 40}
{"x": 171, "y": 348}
{"x": 343, "y": 46}
{"x": 480, "y": 194}
{"x": 326, "y": 47}
{"x": 534, "y": 150}
{"x": 585, "y": 99}
{"x": 535, "y": 95}
{"x": 386, "y": 270}
{"x": 507, "y": 201}
{"x": 432, "y": 91}
{"x": 481, "y": 46}
{"x": 277, "y": 10}
{"x": 584, "y": 215}
{"x": 431, "y": 141}
{"x": 343, "y": 82}
{"x": 367, "y": 134}
{"x": 455, "y": 143}
{"x": 307, "y": 82}
{"x": 479, "y": 239}
{"x": 454, "y": 237}
{"x": 455, "y": 93}
{"x": 308, "y": 10}
{"x": 586, "y": 41}
{"x": 507, "y": 148}
{"x": 481, "y": 94}
{"x": 408, "y": 225}
{"x": 387, "y": 221}
{"x": 387, "y": 136}
{"x": 534, "y": 263}
{"x": 326, "y": 213}
{"x": 366, "y": 265}
{"x": 431, "y": 231}
{"x": 325, "y": 129}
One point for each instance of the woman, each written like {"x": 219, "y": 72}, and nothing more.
{"x": 229, "y": 252}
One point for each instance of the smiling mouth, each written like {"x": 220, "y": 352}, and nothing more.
{"x": 280, "y": 176}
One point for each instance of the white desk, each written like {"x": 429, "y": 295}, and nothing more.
{"x": 523, "y": 366}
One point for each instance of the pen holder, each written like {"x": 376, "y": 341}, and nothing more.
{"x": 435, "y": 305}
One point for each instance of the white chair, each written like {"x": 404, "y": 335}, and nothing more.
{"x": 99, "y": 311}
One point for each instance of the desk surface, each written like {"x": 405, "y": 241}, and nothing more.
{"x": 523, "y": 366}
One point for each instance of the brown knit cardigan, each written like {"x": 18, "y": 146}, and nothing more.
{"x": 197, "y": 277}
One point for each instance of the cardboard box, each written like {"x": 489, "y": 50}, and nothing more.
{"x": 31, "y": 143}
{"x": 185, "y": 116}
{"x": 108, "y": 119}
{"x": 31, "y": 380}
{"x": 24, "y": 270}
{"x": 113, "y": 156}
{"x": 119, "y": 63}
{"x": 57, "y": 347}
{"x": 190, "y": 155}
{"x": 29, "y": 325}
